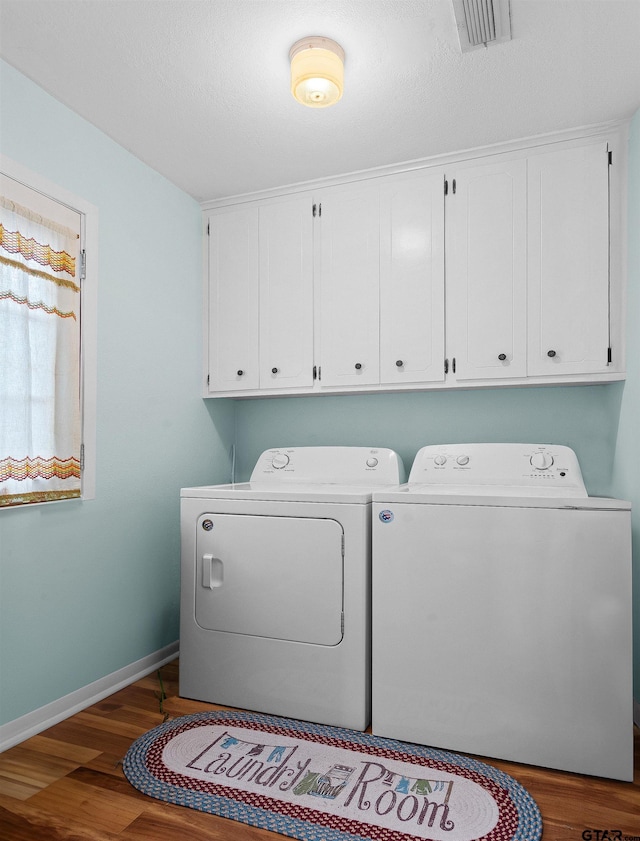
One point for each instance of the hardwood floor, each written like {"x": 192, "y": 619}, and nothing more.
{"x": 66, "y": 784}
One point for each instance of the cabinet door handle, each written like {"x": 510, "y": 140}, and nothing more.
{"x": 358, "y": 366}
{"x": 240, "y": 372}
{"x": 502, "y": 356}
{"x": 274, "y": 370}
{"x": 399, "y": 363}
{"x": 551, "y": 353}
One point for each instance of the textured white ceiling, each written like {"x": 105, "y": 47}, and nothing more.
{"x": 199, "y": 89}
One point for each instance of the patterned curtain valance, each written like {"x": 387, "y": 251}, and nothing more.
{"x": 40, "y": 421}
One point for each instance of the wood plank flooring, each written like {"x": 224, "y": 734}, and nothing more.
{"x": 66, "y": 784}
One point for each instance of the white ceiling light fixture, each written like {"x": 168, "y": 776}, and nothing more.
{"x": 317, "y": 71}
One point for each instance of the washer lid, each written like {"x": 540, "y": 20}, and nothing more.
{"x": 422, "y": 494}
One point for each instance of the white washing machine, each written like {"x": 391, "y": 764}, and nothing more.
{"x": 502, "y": 610}
{"x": 276, "y": 585}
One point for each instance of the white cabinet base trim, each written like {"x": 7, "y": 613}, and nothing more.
{"x": 586, "y": 379}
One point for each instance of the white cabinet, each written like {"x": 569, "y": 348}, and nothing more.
{"x": 487, "y": 271}
{"x": 568, "y": 272}
{"x": 233, "y": 300}
{"x": 260, "y": 296}
{"x": 503, "y": 269}
{"x": 348, "y": 228}
{"x": 286, "y": 293}
{"x": 381, "y": 278}
{"x": 412, "y": 278}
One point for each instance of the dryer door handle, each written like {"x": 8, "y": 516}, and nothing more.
{"x": 212, "y": 572}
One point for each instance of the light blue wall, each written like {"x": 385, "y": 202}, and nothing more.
{"x": 87, "y": 588}
{"x": 583, "y": 417}
{"x": 626, "y": 473}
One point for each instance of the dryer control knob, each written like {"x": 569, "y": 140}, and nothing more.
{"x": 372, "y": 462}
{"x": 463, "y": 460}
{"x": 440, "y": 460}
{"x": 279, "y": 461}
{"x": 541, "y": 461}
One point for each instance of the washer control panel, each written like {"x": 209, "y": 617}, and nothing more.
{"x": 329, "y": 465}
{"x": 526, "y": 468}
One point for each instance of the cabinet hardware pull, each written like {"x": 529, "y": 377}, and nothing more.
{"x": 240, "y": 372}
{"x": 551, "y": 353}
{"x": 502, "y": 356}
{"x": 399, "y": 363}
{"x": 274, "y": 370}
{"x": 358, "y": 366}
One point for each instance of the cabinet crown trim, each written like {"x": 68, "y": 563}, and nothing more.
{"x": 603, "y": 130}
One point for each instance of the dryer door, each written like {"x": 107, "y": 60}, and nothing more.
{"x": 275, "y": 577}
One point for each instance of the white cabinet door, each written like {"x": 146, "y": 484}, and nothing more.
{"x": 569, "y": 261}
{"x": 233, "y": 299}
{"x": 286, "y": 293}
{"x": 412, "y": 278}
{"x": 349, "y": 271}
{"x": 486, "y": 270}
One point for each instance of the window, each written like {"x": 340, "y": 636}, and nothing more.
{"x": 47, "y": 350}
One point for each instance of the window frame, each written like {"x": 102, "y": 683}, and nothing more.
{"x": 88, "y": 312}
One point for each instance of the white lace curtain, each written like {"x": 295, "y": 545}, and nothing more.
{"x": 40, "y": 420}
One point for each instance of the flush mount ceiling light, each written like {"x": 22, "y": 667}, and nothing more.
{"x": 317, "y": 71}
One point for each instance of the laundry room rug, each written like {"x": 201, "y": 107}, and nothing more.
{"x": 319, "y": 783}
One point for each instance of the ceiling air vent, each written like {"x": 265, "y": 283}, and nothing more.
{"x": 481, "y": 23}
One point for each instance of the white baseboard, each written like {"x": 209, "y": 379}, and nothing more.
{"x": 35, "y": 722}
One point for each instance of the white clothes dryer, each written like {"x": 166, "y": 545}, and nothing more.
{"x": 276, "y": 585}
{"x": 502, "y": 610}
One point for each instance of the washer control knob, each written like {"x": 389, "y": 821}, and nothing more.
{"x": 279, "y": 461}
{"x": 541, "y": 461}
{"x": 463, "y": 460}
{"x": 372, "y": 462}
{"x": 440, "y": 460}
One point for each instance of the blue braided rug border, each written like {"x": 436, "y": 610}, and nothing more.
{"x": 135, "y": 767}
